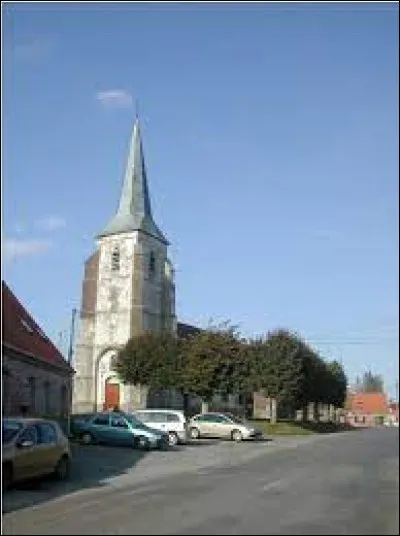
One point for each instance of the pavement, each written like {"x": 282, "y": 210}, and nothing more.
{"x": 345, "y": 483}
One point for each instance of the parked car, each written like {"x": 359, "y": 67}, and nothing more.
{"x": 117, "y": 428}
{"x": 221, "y": 425}
{"x": 33, "y": 448}
{"x": 171, "y": 421}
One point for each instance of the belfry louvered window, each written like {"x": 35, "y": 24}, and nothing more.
{"x": 152, "y": 264}
{"x": 115, "y": 259}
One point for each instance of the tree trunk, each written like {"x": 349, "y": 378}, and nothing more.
{"x": 274, "y": 406}
{"x": 316, "y": 407}
{"x": 204, "y": 406}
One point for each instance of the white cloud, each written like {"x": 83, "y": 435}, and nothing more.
{"x": 13, "y": 248}
{"x": 115, "y": 98}
{"x": 50, "y": 223}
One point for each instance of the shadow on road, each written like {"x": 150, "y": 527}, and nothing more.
{"x": 91, "y": 467}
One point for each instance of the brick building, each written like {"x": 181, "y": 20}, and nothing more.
{"x": 366, "y": 409}
{"x": 36, "y": 379}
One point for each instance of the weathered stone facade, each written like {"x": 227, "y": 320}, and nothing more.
{"x": 33, "y": 387}
{"x": 128, "y": 289}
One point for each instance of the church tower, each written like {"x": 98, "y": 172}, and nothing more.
{"x": 128, "y": 288}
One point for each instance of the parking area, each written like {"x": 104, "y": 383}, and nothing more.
{"x": 98, "y": 469}
{"x": 95, "y": 468}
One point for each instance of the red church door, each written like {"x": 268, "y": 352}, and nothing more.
{"x": 111, "y": 395}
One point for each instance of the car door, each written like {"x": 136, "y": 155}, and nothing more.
{"x": 49, "y": 446}
{"x": 222, "y": 426}
{"x": 101, "y": 429}
{"x": 120, "y": 433}
{"x": 205, "y": 424}
{"x": 28, "y": 459}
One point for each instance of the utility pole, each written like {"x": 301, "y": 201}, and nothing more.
{"x": 70, "y": 353}
{"x": 71, "y": 336}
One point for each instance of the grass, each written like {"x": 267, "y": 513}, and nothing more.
{"x": 293, "y": 428}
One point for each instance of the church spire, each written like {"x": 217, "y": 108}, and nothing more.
{"x": 134, "y": 209}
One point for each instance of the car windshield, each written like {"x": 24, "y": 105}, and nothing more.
{"x": 10, "y": 429}
{"x": 134, "y": 421}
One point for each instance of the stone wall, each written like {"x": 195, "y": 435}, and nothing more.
{"x": 43, "y": 390}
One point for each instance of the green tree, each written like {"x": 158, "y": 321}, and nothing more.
{"x": 280, "y": 368}
{"x": 149, "y": 359}
{"x": 337, "y": 384}
{"x": 211, "y": 363}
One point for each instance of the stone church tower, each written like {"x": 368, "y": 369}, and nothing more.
{"x": 128, "y": 288}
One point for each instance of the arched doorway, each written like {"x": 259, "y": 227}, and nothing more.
{"x": 111, "y": 394}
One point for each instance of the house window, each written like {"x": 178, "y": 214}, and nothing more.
{"x": 152, "y": 264}
{"x": 115, "y": 259}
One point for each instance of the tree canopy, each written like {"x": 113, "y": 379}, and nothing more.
{"x": 220, "y": 360}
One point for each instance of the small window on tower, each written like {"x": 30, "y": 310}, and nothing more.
{"x": 152, "y": 264}
{"x": 115, "y": 260}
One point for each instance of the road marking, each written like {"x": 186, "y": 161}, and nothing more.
{"x": 274, "y": 484}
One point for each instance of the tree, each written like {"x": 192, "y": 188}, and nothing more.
{"x": 149, "y": 359}
{"x": 371, "y": 383}
{"x": 211, "y": 362}
{"x": 337, "y": 388}
{"x": 280, "y": 368}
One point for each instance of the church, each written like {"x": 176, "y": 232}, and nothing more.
{"x": 128, "y": 288}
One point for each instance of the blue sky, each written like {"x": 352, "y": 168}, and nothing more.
{"x": 271, "y": 141}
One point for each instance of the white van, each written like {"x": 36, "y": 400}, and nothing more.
{"x": 171, "y": 421}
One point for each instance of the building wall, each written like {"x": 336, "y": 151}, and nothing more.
{"x": 127, "y": 302}
{"x": 362, "y": 420}
{"x": 43, "y": 390}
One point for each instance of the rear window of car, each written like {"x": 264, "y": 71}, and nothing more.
{"x": 10, "y": 429}
{"x": 47, "y": 433}
{"x": 102, "y": 420}
{"x": 142, "y": 416}
{"x": 173, "y": 417}
{"x": 157, "y": 416}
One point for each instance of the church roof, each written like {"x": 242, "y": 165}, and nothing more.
{"x": 134, "y": 209}
{"x": 23, "y": 335}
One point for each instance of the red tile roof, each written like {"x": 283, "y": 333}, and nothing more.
{"x": 372, "y": 403}
{"x": 22, "y": 334}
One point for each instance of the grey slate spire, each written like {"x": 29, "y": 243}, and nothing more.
{"x": 134, "y": 209}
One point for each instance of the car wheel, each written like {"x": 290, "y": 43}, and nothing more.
{"x": 172, "y": 439}
{"x": 87, "y": 438}
{"x": 61, "y": 471}
{"x": 237, "y": 436}
{"x": 143, "y": 443}
{"x": 7, "y": 476}
{"x": 195, "y": 433}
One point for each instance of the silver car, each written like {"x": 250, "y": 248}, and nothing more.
{"x": 221, "y": 425}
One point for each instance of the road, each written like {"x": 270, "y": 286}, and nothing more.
{"x": 336, "y": 484}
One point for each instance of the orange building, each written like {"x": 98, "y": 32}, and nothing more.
{"x": 366, "y": 409}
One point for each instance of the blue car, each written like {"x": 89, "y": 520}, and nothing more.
{"x": 113, "y": 428}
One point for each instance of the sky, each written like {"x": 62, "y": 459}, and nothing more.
{"x": 271, "y": 136}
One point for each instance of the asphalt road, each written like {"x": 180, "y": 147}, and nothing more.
{"x": 338, "y": 484}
